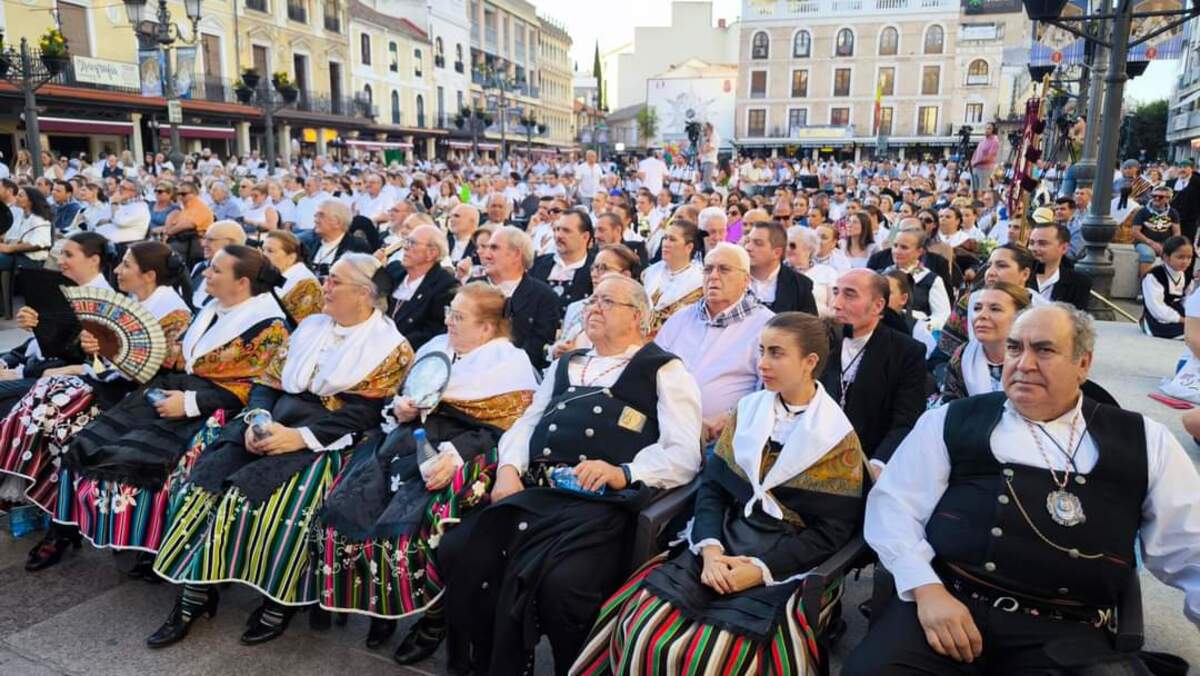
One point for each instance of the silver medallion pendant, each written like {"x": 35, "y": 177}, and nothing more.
{"x": 1065, "y": 508}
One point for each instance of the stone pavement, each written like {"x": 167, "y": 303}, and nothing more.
{"x": 85, "y": 617}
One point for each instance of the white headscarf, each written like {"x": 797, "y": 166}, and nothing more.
{"x": 226, "y": 324}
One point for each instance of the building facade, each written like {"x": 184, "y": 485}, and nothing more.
{"x": 655, "y": 49}
{"x": 811, "y": 73}
{"x": 555, "y": 83}
{"x": 1183, "y": 116}
{"x": 693, "y": 91}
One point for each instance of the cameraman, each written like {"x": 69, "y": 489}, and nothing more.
{"x": 983, "y": 162}
{"x": 709, "y": 145}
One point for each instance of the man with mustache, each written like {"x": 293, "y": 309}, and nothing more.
{"x": 1009, "y": 520}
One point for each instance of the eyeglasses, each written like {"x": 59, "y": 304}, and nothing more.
{"x": 553, "y": 210}
{"x": 409, "y": 243}
{"x": 160, "y": 190}
{"x": 213, "y": 240}
{"x": 721, "y": 269}
{"x": 605, "y": 269}
{"x": 604, "y": 303}
{"x": 926, "y": 219}
{"x": 455, "y": 317}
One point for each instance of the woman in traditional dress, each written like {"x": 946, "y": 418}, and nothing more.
{"x": 1165, "y": 287}
{"x": 386, "y": 514}
{"x": 976, "y": 365}
{"x": 58, "y": 407}
{"x": 83, "y": 259}
{"x": 1010, "y": 263}
{"x": 253, "y": 496}
{"x": 612, "y": 258}
{"x": 782, "y": 493}
{"x": 803, "y": 244}
{"x": 301, "y": 294}
{"x": 677, "y": 280}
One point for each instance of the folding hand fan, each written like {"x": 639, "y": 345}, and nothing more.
{"x": 130, "y": 338}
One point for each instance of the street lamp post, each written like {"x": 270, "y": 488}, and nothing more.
{"x": 30, "y": 75}
{"x": 500, "y": 81}
{"x": 270, "y": 106}
{"x": 165, "y": 34}
{"x": 1098, "y": 226}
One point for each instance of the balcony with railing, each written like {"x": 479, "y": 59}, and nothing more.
{"x": 769, "y": 10}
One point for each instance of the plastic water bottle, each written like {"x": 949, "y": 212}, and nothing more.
{"x": 425, "y": 450}
{"x": 155, "y": 395}
{"x": 260, "y": 421}
{"x": 564, "y": 478}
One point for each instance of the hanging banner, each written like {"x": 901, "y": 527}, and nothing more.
{"x": 150, "y": 67}
{"x": 185, "y": 70}
{"x": 1053, "y": 46}
{"x": 105, "y": 72}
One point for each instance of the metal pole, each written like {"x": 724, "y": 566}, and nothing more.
{"x": 1099, "y": 226}
{"x": 265, "y": 94}
{"x": 503, "y": 114}
{"x": 1085, "y": 169}
{"x": 164, "y": 21}
{"x": 33, "y": 135}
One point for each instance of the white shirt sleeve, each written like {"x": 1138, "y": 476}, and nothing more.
{"x": 939, "y": 304}
{"x": 190, "y": 408}
{"x": 899, "y": 506}
{"x": 1170, "y": 532}
{"x": 513, "y": 448}
{"x": 675, "y": 459}
{"x": 1152, "y": 295}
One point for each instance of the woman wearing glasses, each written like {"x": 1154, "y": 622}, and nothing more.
{"x": 611, "y": 259}
{"x": 387, "y": 513}
{"x": 164, "y": 204}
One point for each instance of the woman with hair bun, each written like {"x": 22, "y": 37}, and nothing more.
{"x": 254, "y": 494}
{"x": 301, "y": 293}
{"x": 58, "y": 407}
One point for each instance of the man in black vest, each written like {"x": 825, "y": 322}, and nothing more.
{"x": 936, "y": 263}
{"x": 532, "y": 306}
{"x": 875, "y": 372}
{"x": 332, "y": 225}
{"x": 776, "y": 285}
{"x": 616, "y": 422}
{"x": 1048, "y": 242}
{"x": 423, "y": 288}
{"x": 568, "y": 270}
{"x": 1010, "y": 520}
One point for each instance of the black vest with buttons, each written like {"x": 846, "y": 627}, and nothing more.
{"x": 600, "y": 423}
{"x": 919, "y": 301}
{"x": 984, "y": 523}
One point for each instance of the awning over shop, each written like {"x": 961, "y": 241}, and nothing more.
{"x": 378, "y": 145}
{"x": 467, "y": 145}
{"x": 192, "y": 131}
{"x": 66, "y": 125}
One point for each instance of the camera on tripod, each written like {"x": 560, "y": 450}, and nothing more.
{"x": 964, "y": 134}
{"x": 692, "y": 128}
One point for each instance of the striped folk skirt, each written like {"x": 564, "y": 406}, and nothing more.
{"x": 640, "y": 633}
{"x": 223, "y": 537}
{"x": 395, "y": 577}
{"x": 119, "y": 516}
{"x": 35, "y": 434}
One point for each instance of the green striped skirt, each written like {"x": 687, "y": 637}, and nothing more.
{"x": 217, "y": 538}
{"x": 640, "y": 633}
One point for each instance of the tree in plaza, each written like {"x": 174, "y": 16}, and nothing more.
{"x": 1146, "y": 131}
{"x": 601, "y": 101}
{"x": 647, "y": 124}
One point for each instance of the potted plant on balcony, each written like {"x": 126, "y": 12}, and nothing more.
{"x": 243, "y": 93}
{"x": 54, "y": 50}
{"x": 283, "y": 84}
{"x": 251, "y": 77}
{"x": 5, "y": 63}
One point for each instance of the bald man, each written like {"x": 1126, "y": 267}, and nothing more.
{"x": 463, "y": 222}
{"x": 218, "y": 236}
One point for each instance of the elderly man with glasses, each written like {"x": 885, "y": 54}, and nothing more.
{"x": 423, "y": 288}
{"x": 131, "y": 215}
{"x": 607, "y": 427}
{"x": 332, "y": 220}
{"x": 218, "y": 236}
{"x": 717, "y": 337}
{"x": 186, "y": 226}
{"x": 1154, "y": 224}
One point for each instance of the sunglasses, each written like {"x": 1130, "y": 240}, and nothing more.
{"x": 160, "y": 190}
{"x": 555, "y": 211}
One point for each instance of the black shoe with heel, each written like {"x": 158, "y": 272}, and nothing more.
{"x": 421, "y": 642}
{"x": 52, "y": 547}
{"x": 261, "y": 631}
{"x": 381, "y": 630}
{"x": 176, "y": 627}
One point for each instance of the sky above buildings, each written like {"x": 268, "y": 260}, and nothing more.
{"x": 611, "y": 23}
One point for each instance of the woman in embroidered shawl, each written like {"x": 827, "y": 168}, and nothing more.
{"x": 975, "y": 366}
{"x": 782, "y": 493}
{"x": 245, "y": 514}
{"x": 301, "y": 293}
{"x": 386, "y": 514}
{"x": 49, "y": 416}
{"x": 677, "y": 280}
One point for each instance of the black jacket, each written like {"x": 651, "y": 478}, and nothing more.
{"x": 578, "y": 288}
{"x": 639, "y": 248}
{"x": 424, "y": 315}
{"x": 349, "y": 244}
{"x": 793, "y": 293}
{"x": 468, "y": 252}
{"x": 1072, "y": 287}
{"x": 888, "y": 393}
{"x": 935, "y": 263}
{"x": 534, "y": 312}
{"x": 1187, "y": 203}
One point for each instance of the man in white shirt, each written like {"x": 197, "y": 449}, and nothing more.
{"x": 717, "y": 337}
{"x": 1002, "y": 558}
{"x": 374, "y": 202}
{"x": 498, "y": 209}
{"x": 130, "y": 217}
{"x": 588, "y": 175}
{"x": 710, "y": 146}
{"x": 306, "y": 207}
{"x": 652, "y": 170}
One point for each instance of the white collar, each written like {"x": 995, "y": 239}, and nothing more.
{"x": 326, "y": 358}
{"x": 217, "y": 325}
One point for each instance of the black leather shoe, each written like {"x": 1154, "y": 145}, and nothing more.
{"x": 51, "y": 549}
{"x": 421, "y": 642}
{"x": 144, "y": 569}
{"x": 260, "y": 632}
{"x": 176, "y": 628}
{"x": 380, "y": 632}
